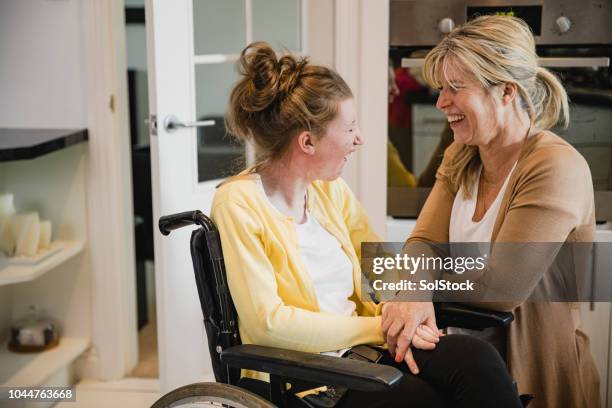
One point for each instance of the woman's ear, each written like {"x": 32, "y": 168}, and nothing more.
{"x": 509, "y": 93}
{"x": 305, "y": 141}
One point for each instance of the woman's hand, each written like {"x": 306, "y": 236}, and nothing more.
{"x": 399, "y": 324}
{"x": 425, "y": 338}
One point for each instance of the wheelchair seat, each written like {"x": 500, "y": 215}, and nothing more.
{"x": 303, "y": 371}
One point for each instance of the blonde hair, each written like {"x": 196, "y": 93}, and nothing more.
{"x": 496, "y": 50}
{"x": 277, "y": 98}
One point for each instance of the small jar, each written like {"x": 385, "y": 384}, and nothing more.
{"x": 33, "y": 333}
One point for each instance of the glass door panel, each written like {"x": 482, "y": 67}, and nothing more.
{"x": 218, "y": 154}
{"x": 221, "y": 30}
{"x": 218, "y": 26}
{"x": 278, "y": 22}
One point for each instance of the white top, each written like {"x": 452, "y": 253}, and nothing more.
{"x": 463, "y": 229}
{"x": 330, "y": 269}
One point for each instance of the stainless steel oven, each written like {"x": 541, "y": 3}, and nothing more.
{"x": 573, "y": 39}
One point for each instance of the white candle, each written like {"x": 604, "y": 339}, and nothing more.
{"x": 26, "y": 233}
{"x": 7, "y": 210}
{"x": 45, "y": 235}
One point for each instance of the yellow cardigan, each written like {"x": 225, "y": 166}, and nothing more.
{"x": 269, "y": 283}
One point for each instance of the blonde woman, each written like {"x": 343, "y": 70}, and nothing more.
{"x": 291, "y": 232}
{"x": 508, "y": 178}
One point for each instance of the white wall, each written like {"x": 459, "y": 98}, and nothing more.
{"x": 42, "y": 71}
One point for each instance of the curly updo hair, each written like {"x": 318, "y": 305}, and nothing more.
{"x": 276, "y": 98}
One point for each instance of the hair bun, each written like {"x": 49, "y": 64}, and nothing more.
{"x": 259, "y": 66}
{"x": 266, "y": 77}
{"x": 290, "y": 70}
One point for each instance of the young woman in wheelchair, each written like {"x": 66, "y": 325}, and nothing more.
{"x": 291, "y": 231}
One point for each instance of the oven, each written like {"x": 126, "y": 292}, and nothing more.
{"x": 573, "y": 39}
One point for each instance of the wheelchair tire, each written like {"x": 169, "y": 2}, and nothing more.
{"x": 215, "y": 394}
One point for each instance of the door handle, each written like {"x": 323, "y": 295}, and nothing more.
{"x": 172, "y": 123}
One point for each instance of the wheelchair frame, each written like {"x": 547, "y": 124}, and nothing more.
{"x": 303, "y": 371}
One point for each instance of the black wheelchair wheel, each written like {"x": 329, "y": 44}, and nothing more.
{"x": 211, "y": 395}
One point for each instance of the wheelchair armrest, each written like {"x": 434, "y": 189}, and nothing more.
{"x": 467, "y": 317}
{"x": 312, "y": 367}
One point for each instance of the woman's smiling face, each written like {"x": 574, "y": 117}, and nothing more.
{"x": 341, "y": 138}
{"x": 473, "y": 112}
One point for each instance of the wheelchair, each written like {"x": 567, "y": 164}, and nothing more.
{"x": 290, "y": 372}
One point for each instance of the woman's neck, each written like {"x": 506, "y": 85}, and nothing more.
{"x": 499, "y": 155}
{"x": 285, "y": 186}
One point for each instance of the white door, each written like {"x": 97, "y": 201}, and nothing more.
{"x": 192, "y": 46}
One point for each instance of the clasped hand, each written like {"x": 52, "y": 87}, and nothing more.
{"x": 406, "y": 325}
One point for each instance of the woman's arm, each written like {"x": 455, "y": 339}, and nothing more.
{"x": 266, "y": 317}
{"x": 551, "y": 198}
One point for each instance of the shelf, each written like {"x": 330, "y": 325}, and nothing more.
{"x": 23, "y": 273}
{"x": 26, "y": 370}
{"x": 23, "y": 144}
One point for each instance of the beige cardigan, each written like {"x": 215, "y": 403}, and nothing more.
{"x": 549, "y": 199}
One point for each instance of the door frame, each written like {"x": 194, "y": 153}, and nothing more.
{"x": 109, "y": 195}
{"x": 361, "y": 57}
